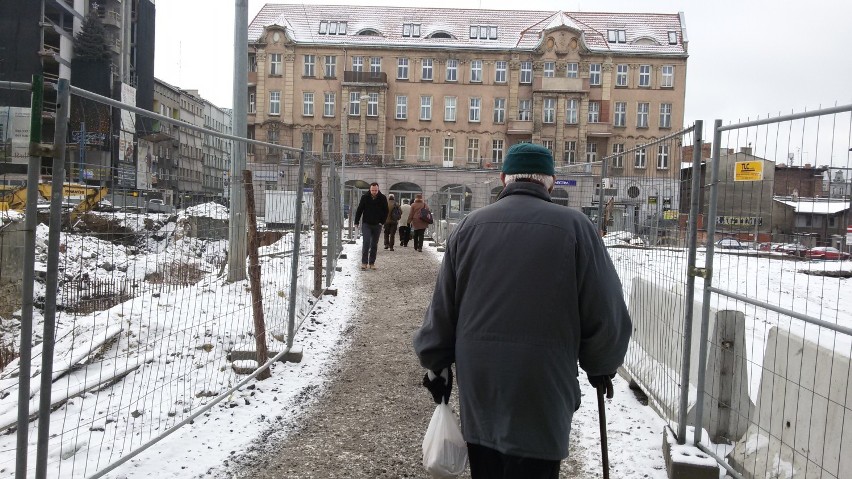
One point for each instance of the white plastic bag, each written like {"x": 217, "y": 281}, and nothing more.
{"x": 444, "y": 449}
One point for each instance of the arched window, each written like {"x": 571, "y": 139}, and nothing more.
{"x": 559, "y": 196}
{"x": 441, "y": 34}
{"x": 369, "y": 32}
{"x": 455, "y": 200}
{"x": 405, "y": 191}
{"x": 495, "y": 192}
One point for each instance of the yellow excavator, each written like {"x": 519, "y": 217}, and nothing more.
{"x": 77, "y": 198}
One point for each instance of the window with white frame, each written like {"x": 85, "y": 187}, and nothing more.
{"x": 549, "y": 110}
{"x": 549, "y": 69}
{"x": 526, "y": 72}
{"x": 668, "y": 76}
{"x": 572, "y": 111}
{"x": 330, "y": 66}
{"x": 474, "y": 113}
{"x": 307, "y": 104}
{"x": 665, "y": 115}
{"x": 328, "y": 108}
{"x": 354, "y": 103}
{"x": 449, "y": 108}
{"x": 327, "y": 142}
{"x": 621, "y": 74}
{"x": 476, "y": 71}
{"x": 449, "y": 150}
{"x": 372, "y": 104}
{"x": 642, "y": 110}
{"x": 424, "y": 151}
{"x": 591, "y": 152}
{"x": 618, "y": 159}
{"x": 620, "y": 116}
{"x": 275, "y": 103}
{"x": 572, "y": 70}
{"x": 252, "y": 62}
{"x": 662, "y": 157}
{"x": 309, "y": 61}
{"x": 275, "y": 64}
{"x": 426, "y": 107}
{"x": 473, "y": 150}
{"x": 399, "y": 148}
{"x": 500, "y": 68}
{"x": 401, "y": 107}
{"x": 548, "y": 144}
{"x": 375, "y": 64}
{"x": 644, "y": 76}
{"x": 499, "y": 110}
{"x": 452, "y": 69}
{"x": 252, "y": 105}
{"x": 411, "y": 29}
{"x": 639, "y": 158}
{"x": 525, "y": 110}
{"x": 594, "y": 73}
{"x": 570, "y": 153}
{"x": 402, "y": 69}
{"x": 496, "y": 151}
{"x": 426, "y": 69}
{"x": 672, "y": 38}
{"x": 357, "y": 64}
{"x": 594, "y": 111}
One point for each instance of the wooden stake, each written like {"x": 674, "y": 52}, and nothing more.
{"x": 254, "y": 279}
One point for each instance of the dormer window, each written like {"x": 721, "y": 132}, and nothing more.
{"x": 672, "y": 38}
{"x": 616, "y": 36}
{"x": 332, "y": 28}
{"x": 484, "y": 32}
{"x": 411, "y": 30}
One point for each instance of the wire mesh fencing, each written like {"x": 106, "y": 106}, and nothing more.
{"x": 149, "y": 330}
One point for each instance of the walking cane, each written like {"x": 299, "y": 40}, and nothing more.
{"x": 601, "y": 390}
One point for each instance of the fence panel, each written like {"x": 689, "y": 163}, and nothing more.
{"x": 148, "y": 329}
{"x": 777, "y": 249}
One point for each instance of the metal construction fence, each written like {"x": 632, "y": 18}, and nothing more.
{"x": 130, "y": 325}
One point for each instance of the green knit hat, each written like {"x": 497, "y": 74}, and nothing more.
{"x": 528, "y": 158}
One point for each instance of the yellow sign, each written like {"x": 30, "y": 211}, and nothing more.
{"x": 670, "y": 214}
{"x": 748, "y": 171}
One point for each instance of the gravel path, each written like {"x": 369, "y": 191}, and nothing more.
{"x": 369, "y": 418}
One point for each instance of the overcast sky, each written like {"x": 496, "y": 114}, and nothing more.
{"x": 746, "y": 58}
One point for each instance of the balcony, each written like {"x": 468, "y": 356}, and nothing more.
{"x": 365, "y": 78}
{"x": 161, "y": 131}
{"x": 599, "y": 129}
{"x": 518, "y": 127}
{"x": 111, "y": 18}
{"x": 560, "y": 84}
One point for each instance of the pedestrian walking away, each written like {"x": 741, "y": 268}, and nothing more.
{"x": 404, "y": 227}
{"x": 394, "y": 214}
{"x": 417, "y": 224}
{"x": 373, "y": 206}
{"x": 526, "y": 291}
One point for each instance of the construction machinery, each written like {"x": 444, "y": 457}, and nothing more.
{"x": 76, "y": 198}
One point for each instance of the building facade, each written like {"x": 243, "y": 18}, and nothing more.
{"x": 216, "y": 152}
{"x": 452, "y": 88}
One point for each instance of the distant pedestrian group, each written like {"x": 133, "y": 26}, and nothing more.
{"x": 377, "y": 214}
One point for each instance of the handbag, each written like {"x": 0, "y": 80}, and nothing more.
{"x": 444, "y": 448}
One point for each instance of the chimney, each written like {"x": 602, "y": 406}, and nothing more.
{"x": 745, "y": 149}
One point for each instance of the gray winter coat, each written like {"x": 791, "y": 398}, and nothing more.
{"x": 526, "y": 289}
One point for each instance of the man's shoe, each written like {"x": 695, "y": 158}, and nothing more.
{"x": 364, "y": 266}
{"x": 391, "y": 248}
{"x": 372, "y": 266}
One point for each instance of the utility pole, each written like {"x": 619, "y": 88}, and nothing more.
{"x": 237, "y": 216}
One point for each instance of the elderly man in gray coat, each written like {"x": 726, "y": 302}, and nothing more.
{"x": 525, "y": 292}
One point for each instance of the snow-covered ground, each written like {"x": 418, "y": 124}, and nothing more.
{"x": 168, "y": 346}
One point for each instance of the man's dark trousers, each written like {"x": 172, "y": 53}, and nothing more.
{"x": 487, "y": 463}
{"x": 370, "y": 242}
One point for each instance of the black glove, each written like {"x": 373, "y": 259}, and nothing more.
{"x": 440, "y": 384}
{"x": 603, "y": 383}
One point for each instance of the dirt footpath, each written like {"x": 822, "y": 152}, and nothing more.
{"x": 370, "y": 419}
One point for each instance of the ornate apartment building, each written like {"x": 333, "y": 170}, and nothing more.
{"x": 456, "y": 88}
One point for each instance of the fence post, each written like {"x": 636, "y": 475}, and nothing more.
{"x": 710, "y": 221}
{"x": 52, "y": 279}
{"x": 297, "y": 238}
{"x": 30, "y": 224}
{"x": 318, "y": 228}
{"x": 254, "y": 280}
{"x": 601, "y": 219}
{"x": 692, "y": 240}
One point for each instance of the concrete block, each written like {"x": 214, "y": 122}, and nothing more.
{"x": 686, "y": 461}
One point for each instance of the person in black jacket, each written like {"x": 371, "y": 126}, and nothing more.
{"x": 374, "y": 207}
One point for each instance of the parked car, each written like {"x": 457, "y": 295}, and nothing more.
{"x": 768, "y": 246}
{"x": 796, "y": 249}
{"x": 731, "y": 243}
{"x": 826, "y": 252}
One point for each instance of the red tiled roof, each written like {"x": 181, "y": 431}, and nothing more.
{"x": 647, "y": 33}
